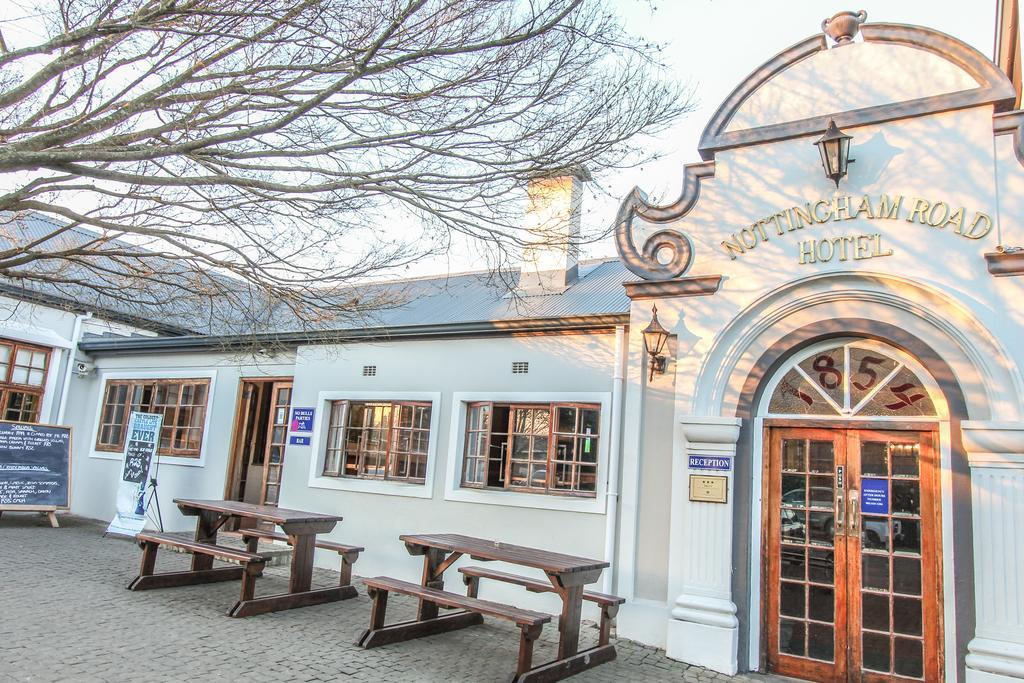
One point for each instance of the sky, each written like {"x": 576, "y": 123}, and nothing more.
{"x": 713, "y": 45}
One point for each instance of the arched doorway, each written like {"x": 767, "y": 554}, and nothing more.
{"x": 851, "y": 538}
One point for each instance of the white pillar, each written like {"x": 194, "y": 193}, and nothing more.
{"x": 995, "y": 451}
{"x": 703, "y": 628}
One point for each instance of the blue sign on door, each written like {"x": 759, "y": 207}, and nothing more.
{"x": 302, "y": 419}
{"x": 874, "y": 496}
{"x": 298, "y": 440}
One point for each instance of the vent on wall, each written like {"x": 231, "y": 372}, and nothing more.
{"x": 520, "y": 367}
{"x": 369, "y": 371}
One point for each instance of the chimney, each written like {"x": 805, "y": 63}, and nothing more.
{"x": 552, "y": 221}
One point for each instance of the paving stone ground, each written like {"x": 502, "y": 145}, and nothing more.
{"x": 65, "y": 616}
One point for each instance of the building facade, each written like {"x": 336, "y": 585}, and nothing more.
{"x": 854, "y": 347}
{"x": 825, "y": 476}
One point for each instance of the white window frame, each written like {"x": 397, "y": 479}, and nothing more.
{"x": 453, "y": 489}
{"x": 105, "y": 376}
{"x": 387, "y": 487}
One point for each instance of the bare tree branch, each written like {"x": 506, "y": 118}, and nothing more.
{"x": 250, "y": 157}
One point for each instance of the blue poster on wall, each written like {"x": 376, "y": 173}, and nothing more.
{"x": 302, "y": 419}
{"x": 874, "y": 496}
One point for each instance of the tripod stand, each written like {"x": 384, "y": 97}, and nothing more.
{"x": 153, "y": 498}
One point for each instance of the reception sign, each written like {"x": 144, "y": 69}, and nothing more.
{"x": 710, "y": 462}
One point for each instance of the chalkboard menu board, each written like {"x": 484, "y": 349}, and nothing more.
{"x": 35, "y": 465}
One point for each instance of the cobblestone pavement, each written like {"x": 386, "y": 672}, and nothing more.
{"x": 65, "y": 616}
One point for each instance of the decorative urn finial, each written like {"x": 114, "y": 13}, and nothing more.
{"x": 843, "y": 27}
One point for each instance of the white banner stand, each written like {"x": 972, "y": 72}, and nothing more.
{"x": 139, "y": 457}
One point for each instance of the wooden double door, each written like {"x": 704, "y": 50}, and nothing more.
{"x": 853, "y": 577}
{"x": 261, "y": 435}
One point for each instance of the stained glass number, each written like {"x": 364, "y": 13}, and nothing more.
{"x": 828, "y": 376}
{"x": 851, "y": 379}
{"x": 867, "y": 369}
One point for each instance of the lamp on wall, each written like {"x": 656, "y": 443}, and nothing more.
{"x": 655, "y": 338}
{"x": 834, "y": 147}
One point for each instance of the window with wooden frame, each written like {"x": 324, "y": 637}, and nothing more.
{"x": 535, "y": 448}
{"x": 378, "y": 440}
{"x": 23, "y": 369}
{"x": 182, "y": 402}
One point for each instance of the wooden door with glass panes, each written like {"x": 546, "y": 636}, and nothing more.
{"x": 277, "y": 439}
{"x": 854, "y": 590}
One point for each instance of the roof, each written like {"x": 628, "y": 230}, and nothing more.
{"x": 478, "y": 296}
{"x": 179, "y": 303}
{"x": 467, "y": 303}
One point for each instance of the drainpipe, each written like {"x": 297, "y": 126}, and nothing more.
{"x": 76, "y": 336}
{"x": 614, "y": 461}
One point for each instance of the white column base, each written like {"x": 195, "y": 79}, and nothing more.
{"x": 704, "y": 631}
{"x": 712, "y": 647}
{"x": 994, "y": 661}
{"x": 995, "y": 453}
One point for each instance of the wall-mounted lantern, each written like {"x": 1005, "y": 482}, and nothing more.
{"x": 655, "y": 338}
{"x": 834, "y": 147}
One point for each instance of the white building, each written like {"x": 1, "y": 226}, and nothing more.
{"x": 847, "y": 355}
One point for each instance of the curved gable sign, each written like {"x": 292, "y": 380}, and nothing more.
{"x": 993, "y": 87}
{"x": 666, "y": 253}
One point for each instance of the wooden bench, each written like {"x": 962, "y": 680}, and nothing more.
{"x": 530, "y": 623}
{"x": 251, "y": 564}
{"x": 349, "y": 553}
{"x": 609, "y": 604}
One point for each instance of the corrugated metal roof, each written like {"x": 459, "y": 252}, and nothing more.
{"x": 474, "y": 297}
{"x": 233, "y": 309}
{"x": 179, "y": 303}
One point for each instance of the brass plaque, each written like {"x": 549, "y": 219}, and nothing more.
{"x": 709, "y": 489}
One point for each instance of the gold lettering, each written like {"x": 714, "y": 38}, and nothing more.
{"x": 937, "y": 222}
{"x": 821, "y": 252}
{"x": 920, "y": 208}
{"x": 957, "y": 219}
{"x": 887, "y": 208}
{"x": 980, "y": 226}
{"x": 802, "y": 216}
{"x": 842, "y": 206}
{"x": 733, "y": 248}
{"x": 743, "y": 238}
{"x": 865, "y": 207}
{"x": 863, "y": 247}
{"x": 822, "y": 202}
{"x": 934, "y": 213}
{"x": 789, "y": 223}
{"x": 759, "y": 229}
{"x": 878, "y": 246}
{"x": 806, "y": 251}
{"x": 837, "y": 243}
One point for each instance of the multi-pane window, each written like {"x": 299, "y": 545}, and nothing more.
{"x": 540, "y": 448}
{"x": 181, "y": 402}
{"x": 378, "y": 440}
{"x": 22, "y": 379}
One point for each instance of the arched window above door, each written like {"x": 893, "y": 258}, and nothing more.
{"x": 851, "y": 379}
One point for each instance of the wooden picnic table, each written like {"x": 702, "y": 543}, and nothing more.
{"x": 568, "y": 575}
{"x": 301, "y": 529}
